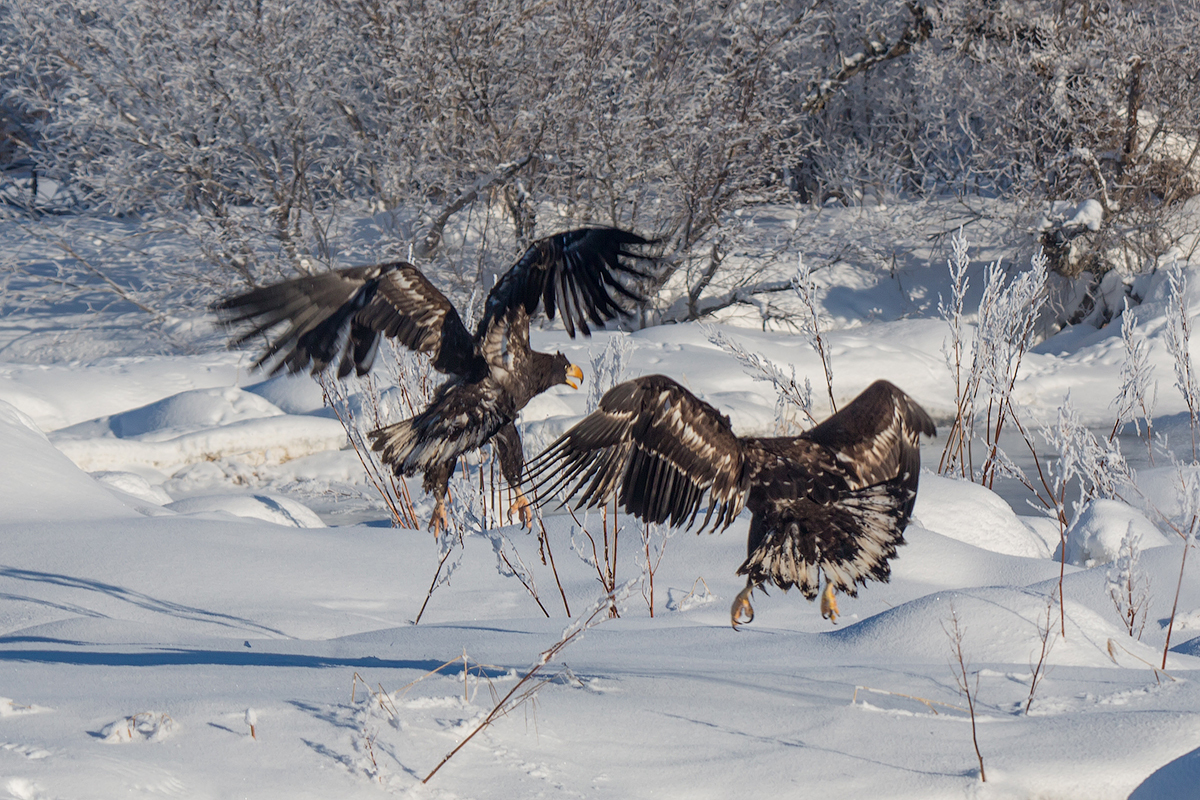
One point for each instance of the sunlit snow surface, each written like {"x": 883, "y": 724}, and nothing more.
{"x": 166, "y": 583}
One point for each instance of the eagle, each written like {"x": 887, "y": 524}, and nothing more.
{"x": 340, "y": 316}
{"x": 833, "y": 501}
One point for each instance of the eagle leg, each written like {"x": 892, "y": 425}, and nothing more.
{"x": 437, "y": 483}
{"x": 439, "y": 521}
{"x": 742, "y": 612}
{"x": 829, "y": 606}
{"x": 522, "y": 510}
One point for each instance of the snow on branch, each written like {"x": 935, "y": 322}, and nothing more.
{"x": 1179, "y": 333}
{"x": 608, "y": 369}
{"x": 788, "y": 391}
{"x": 1135, "y": 398}
{"x": 810, "y": 323}
{"x": 1089, "y": 160}
{"x": 875, "y": 51}
{"x": 1096, "y": 464}
{"x": 740, "y": 295}
{"x": 432, "y": 237}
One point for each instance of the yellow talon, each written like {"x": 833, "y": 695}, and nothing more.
{"x": 829, "y": 606}
{"x": 522, "y": 509}
{"x": 741, "y": 607}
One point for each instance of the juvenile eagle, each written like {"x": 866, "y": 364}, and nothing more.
{"x": 340, "y": 315}
{"x": 833, "y": 500}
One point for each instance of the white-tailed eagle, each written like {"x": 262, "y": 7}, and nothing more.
{"x": 340, "y": 315}
{"x": 833, "y": 501}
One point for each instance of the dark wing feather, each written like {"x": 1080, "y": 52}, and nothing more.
{"x": 836, "y": 500}
{"x": 572, "y": 273}
{"x": 876, "y": 435}
{"x": 341, "y": 314}
{"x": 505, "y": 348}
{"x": 656, "y": 447}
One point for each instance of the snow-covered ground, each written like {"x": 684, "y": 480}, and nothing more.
{"x": 200, "y": 596}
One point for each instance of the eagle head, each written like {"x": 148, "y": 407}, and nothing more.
{"x": 570, "y": 373}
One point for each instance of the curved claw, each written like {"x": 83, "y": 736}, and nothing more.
{"x": 829, "y": 606}
{"x": 522, "y": 510}
{"x": 742, "y": 608}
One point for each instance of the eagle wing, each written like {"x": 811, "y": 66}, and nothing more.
{"x": 504, "y": 345}
{"x": 837, "y": 498}
{"x": 571, "y": 272}
{"x": 657, "y": 448}
{"x": 341, "y": 314}
{"x": 876, "y": 435}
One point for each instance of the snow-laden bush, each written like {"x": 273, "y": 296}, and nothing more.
{"x": 476, "y": 129}
{"x": 984, "y": 363}
{"x": 276, "y": 133}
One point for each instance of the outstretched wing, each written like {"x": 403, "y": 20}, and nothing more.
{"x": 505, "y": 347}
{"x": 341, "y": 314}
{"x": 876, "y": 435}
{"x": 571, "y": 272}
{"x": 657, "y": 448}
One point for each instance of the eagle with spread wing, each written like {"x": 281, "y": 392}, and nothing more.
{"x": 339, "y": 316}
{"x": 833, "y": 501}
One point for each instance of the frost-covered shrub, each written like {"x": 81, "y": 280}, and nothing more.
{"x": 1179, "y": 331}
{"x": 270, "y": 131}
{"x": 1074, "y": 102}
{"x": 984, "y": 363}
{"x": 608, "y": 369}
{"x": 466, "y": 132}
{"x": 791, "y": 398}
{"x": 1036, "y": 101}
{"x": 1137, "y": 396}
{"x": 1129, "y": 585}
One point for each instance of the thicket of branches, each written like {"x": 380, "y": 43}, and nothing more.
{"x": 1102, "y": 101}
{"x": 469, "y": 127}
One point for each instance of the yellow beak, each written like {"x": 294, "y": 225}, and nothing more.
{"x": 575, "y": 372}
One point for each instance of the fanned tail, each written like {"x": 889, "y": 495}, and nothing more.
{"x": 873, "y": 518}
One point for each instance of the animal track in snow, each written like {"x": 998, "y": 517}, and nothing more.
{"x": 31, "y": 752}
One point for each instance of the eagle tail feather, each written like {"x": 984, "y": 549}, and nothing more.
{"x": 864, "y": 534}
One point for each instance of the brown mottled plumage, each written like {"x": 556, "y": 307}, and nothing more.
{"x": 834, "y": 500}
{"x": 340, "y": 315}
